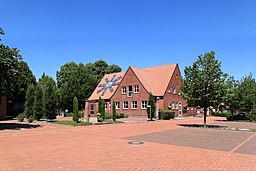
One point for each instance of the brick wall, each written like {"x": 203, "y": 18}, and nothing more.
{"x": 174, "y": 97}
{"x": 130, "y": 79}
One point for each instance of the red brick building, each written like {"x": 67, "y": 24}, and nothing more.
{"x": 130, "y": 91}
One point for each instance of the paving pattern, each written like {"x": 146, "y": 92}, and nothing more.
{"x": 105, "y": 147}
{"x": 214, "y": 139}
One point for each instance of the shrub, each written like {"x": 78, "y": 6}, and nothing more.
{"x": 81, "y": 114}
{"x": 21, "y": 117}
{"x": 68, "y": 114}
{"x": 121, "y": 115}
{"x": 166, "y": 114}
{"x": 221, "y": 114}
{"x": 30, "y": 120}
{"x": 107, "y": 116}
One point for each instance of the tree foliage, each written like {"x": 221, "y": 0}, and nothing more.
{"x": 29, "y": 104}
{"x": 49, "y": 97}
{"x": 80, "y": 80}
{"x": 38, "y": 103}
{"x": 246, "y": 93}
{"x": 113, "y": 110}
{"x": 151, "y": 110}
{"x": 75, "y": 110}
{"x": 15, "y": 75}
{"x": 204, "y": 83}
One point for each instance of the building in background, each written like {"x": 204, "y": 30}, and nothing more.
{"x": 130, "y": 91}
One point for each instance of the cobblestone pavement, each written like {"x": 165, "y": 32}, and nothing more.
{"x": 167, "y": 146}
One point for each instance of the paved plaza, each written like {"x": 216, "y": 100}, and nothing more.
{"x": 166, "y": 146}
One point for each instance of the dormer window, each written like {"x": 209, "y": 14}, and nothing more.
{"x": 136, "y": 89}
{"x": 123, "y": 90}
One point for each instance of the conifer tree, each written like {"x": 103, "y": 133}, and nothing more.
{"x": 113, "y": 111}
{"x": 75, "y": 110}
{"x": 29, "y": 104}
{"x": 151, "y": 110}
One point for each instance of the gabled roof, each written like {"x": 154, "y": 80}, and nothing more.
{"x": 107, "y": 95}
{"x": 155, "y": 79}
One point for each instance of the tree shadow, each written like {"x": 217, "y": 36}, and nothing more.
{"x": 221, "y": 120}
{"x": 16, "y": 126}
{"x": 202, "y": 126}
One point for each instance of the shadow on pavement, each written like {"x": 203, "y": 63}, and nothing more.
{"x": 201, "y": 126}
{"x": 16, "y": 126}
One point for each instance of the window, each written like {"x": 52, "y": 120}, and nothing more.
{"x": 117, "y": 105}
{"x": 106, "y": 106}
{"x": 144, "y": 104}
{"x": 188, "y": 109}
{"x": 125, "y": 105}
{"x": 173, "y": 105}
{"x": 174, "y": 90}
{"x": 134, "y": 104}
{"x": 123, "y": 90}
{"x": 129, "y": 91}
{"x": 136, "y": 89}
{"x": 177, "y": 105}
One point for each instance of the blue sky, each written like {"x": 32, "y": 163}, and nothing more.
{"x": 142, "y": 33}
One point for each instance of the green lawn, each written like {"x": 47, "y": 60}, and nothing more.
{"x": 72, "y": 123}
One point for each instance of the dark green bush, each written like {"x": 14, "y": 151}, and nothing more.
{"x": 221, "y": 114}
{"x": 121, "y": 115}
{"x": 108, "y": 115}
{"x": 21, "y": 117}
{"x": 166, "y": 114}
{"x": 68, "y": 114}
{"x": 30, "y": 120}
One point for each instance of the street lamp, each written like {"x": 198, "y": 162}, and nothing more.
{"x": 149, "y": 106}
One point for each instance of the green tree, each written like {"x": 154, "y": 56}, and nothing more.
{"x": 49, "y": 97}
{"x": 151, "y": 110}
{"x": 9, "y": 64}
{"x": 231, "y": 101}
{"x": 204, "y": 83}
{"x": 103, "y": 110}
{"x": 29, "y": 104}
{"x": 75, "y": 110}
{"x": 1, "y": 32}
{"x": 38, "y": 103}
{"x": 113, "y": 110}
{"x": 113, "y": 68}
{"x": 246, "y": 93}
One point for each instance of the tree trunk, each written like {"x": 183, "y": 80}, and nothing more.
{"x": 205, "y": 113}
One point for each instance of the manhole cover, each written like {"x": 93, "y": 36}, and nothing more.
{"x": 135, "y": 142}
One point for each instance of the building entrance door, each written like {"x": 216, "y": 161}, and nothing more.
{"x": 92, "y": 111}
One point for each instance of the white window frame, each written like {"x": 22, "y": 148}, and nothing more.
{"x": 173, "y": 105}
{"x": 123, "y": 90}
{"x": 124, "y": 105}
{"x": 106, "y": 106}
{"x": 145, "y": 104}
{"x": 134, "y": 104}
{"x": 117, "y": 105}
{"x": 174, "y": 90}
{"x": 176, "y": 105}
{"x": 136, "y": 88}
{"x": 129, "y": 92}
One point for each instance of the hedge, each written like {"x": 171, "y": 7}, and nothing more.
{"x": 166, "y": 114}
{"x": 221, "y": 114}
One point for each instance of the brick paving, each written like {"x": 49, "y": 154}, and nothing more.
{"x": 105, "y": 147}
